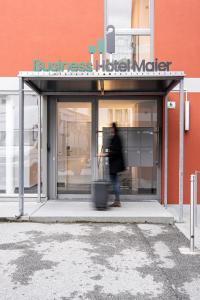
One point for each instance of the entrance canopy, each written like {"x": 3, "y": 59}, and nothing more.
{"x": 96, "y": 83}
{"x": 103, "y": 84}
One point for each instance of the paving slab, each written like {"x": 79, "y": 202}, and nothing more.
{"x": 130, "y": 212}
{"x": 10, "y": 210}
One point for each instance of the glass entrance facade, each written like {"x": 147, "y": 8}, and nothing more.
{"x": 138, "y": 124}
{"x": 9, "y": 143}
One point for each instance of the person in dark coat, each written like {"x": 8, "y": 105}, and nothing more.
{"x": 116, "y": 163}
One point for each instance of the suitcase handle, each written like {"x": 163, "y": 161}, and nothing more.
{"x": 100, "y": 157}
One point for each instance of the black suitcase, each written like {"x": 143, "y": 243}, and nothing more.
{"x": 100, "y": 194}
{"x": 100, "y": 186}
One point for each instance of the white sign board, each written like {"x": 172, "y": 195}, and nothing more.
{"x": 171, "y": 104}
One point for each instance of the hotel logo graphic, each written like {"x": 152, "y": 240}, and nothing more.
{"x": 110, "y": 43}
{"x": 103, "y": 65}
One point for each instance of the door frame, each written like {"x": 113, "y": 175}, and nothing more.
{"x": 52, "y": 143}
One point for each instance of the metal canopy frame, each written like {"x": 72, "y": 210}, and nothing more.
{"x": 103, "y": 84}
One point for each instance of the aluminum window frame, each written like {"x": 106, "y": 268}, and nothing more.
{"x": 41, "y": 160}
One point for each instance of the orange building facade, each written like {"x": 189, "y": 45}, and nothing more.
{"x": 63, "y": 30}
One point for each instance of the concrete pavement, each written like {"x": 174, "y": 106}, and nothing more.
{"x": 184, "y": 227}
{"x": 66, "y": 211}
{"x": 10, "y": 210}
{"x": 96, "y": 261}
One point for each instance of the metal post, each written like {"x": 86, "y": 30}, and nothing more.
{"x": 21, "y": 146}
{"x": 195, "y": 197}
{"x": 44, "y": 145}
{"x": 195, "y": 200}
{"x": 94, "y": 150}
{"x": 181, "y": 150}
{"x": 39, "y": 149}
{"x": 192, "y": 196}
{"x": 166, "y": 154}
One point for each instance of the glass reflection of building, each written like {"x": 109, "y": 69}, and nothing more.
{"x": 9, "y": 153}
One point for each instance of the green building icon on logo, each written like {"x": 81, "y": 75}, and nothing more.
{"x": 110, "y": 44}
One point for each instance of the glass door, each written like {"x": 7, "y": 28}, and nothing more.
{"x": 80, "y": 129}
{"x": 138, "y": 124}
{"x": 74, "y": 147}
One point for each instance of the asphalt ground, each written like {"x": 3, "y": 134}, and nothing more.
{"x": 96, "y": 261}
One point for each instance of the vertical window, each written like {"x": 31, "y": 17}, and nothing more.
{"x": 133, "y": 32}
{"x": 9, "y": 145}
{"x": 128, "y": 13}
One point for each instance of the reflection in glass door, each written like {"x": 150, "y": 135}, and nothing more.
{"x": 73, "y": 147}
{"x": 138, "y": 126}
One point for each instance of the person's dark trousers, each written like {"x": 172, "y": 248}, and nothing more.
{"x": 116, "y": 186}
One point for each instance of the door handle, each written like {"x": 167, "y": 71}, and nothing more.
{"x": 157, "y": 161}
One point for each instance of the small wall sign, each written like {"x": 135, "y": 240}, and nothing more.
{"x": 171, "y": 104}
